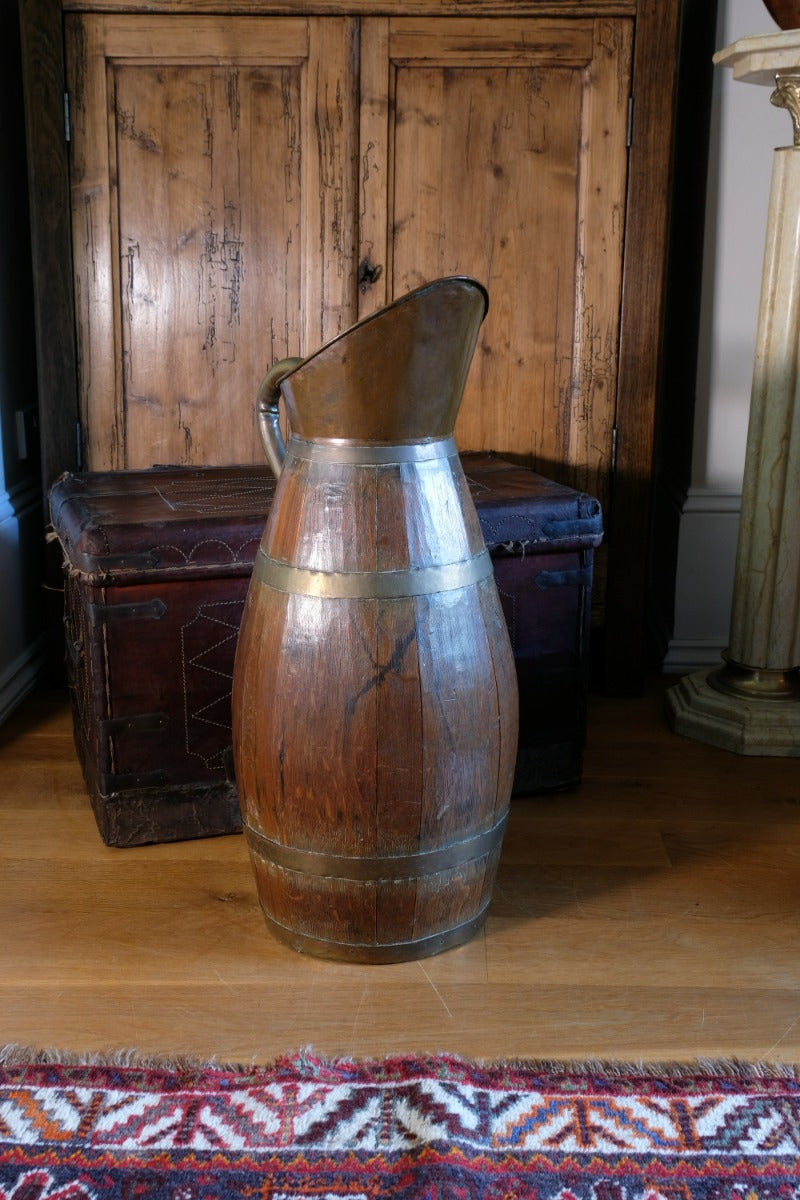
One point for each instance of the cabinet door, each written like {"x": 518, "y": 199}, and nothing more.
{"x": 213, "y": 213}
{"x": 497, "y": 148}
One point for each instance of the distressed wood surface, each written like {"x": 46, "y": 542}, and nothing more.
{"x": 366, "y": 7}
{"x": 521, "y": 125}
{"x": 374, "y": 164}
{"x": 211, "y": 176}
{"x": 601, "y": 202}
{"x": 208, "y": 244}
{"x": 644, "y": 264}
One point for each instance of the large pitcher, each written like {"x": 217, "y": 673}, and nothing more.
{"x": 374, "y": 699}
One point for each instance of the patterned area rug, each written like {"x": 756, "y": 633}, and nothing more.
{"x": 435, "y": 1128}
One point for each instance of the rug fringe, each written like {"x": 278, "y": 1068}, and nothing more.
{"x": 15, "y": 1054}
{"x": 722, "y": 1068}
{"x": 307, "y": 1062}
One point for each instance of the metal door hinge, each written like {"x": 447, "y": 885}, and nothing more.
{"x": 67, "y": 127}
{"x": 629, "y": 132}
{"x": 613, "y": 449}
{"x": 78, "y": 445}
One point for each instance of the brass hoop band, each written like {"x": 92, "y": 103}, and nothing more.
{"x": 376, "y": 952}
{"x": 393, "y": 867}
{"x": 371, "y": 585}
{"x": 370, "y": 454}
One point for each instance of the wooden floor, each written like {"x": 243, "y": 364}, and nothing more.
{"x": 654, "y": 913}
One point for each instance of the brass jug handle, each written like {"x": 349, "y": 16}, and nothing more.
{"x": 267, "y": 411}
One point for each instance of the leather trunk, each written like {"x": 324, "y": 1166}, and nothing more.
{"x": 157, "y": 565}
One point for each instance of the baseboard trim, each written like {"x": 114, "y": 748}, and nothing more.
{"x": 20, "y": 499}
{"x": 23, "y": 665}
{"x": 705, "y": 568}
{"x": 687, "y": 656}
{"x": 709, "y": 500}
{"x": 21, "y": 676}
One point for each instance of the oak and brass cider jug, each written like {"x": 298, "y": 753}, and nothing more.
{"x": 375, "y": 696}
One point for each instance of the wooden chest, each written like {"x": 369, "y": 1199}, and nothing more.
{"x": 157, "y": 565}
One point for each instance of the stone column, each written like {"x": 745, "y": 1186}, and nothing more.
{"x": 751, "y": 703}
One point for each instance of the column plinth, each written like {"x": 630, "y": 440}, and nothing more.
{"x": 751, "y": 703}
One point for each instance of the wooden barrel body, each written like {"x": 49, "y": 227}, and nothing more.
{"x": 374, "y": 703}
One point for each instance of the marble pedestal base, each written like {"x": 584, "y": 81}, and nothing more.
{"x": 746, "y": 726}
{"x": 752, "y": 704}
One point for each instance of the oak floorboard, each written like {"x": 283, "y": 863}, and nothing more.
{"x": 651, "y": 913}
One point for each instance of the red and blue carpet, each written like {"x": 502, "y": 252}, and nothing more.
{"x": 427, "y": 1128}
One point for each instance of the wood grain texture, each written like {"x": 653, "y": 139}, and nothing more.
{"x": 370, "y": 729}
{"x": 387, "y": 8}
{"x": 643, "y": 301}
{"x": 212, "y": 172}
{"x": 374, "y": 163}
{"x": 347, "y": 170}
{"x": 328, "y": 194}
{"x": 522, "y": 124}
{"x": 651, "y": 913}
{"x": 492, "y": 111}
{"x": 370, "y": 611}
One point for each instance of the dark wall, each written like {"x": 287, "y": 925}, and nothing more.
{"x": 674, "y": 434}
{"x": 22, "y": 521}
{"x": 17, "y": 348}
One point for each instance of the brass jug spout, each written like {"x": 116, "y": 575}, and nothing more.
{"x": 395, "y": 376}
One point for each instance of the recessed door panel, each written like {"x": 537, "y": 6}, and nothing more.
{"x": 211, "y": 164}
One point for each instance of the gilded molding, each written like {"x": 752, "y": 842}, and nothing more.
{"x": 787, "y": 95}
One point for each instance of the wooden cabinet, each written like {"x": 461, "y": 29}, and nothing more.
{"x": 213, "y": 203}
{"x": 231, "y": 175}
{"x": 497, "y": 148}
{"x": 243, "y": 186}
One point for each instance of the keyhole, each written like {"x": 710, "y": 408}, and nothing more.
{"x": 367, "y": 274}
